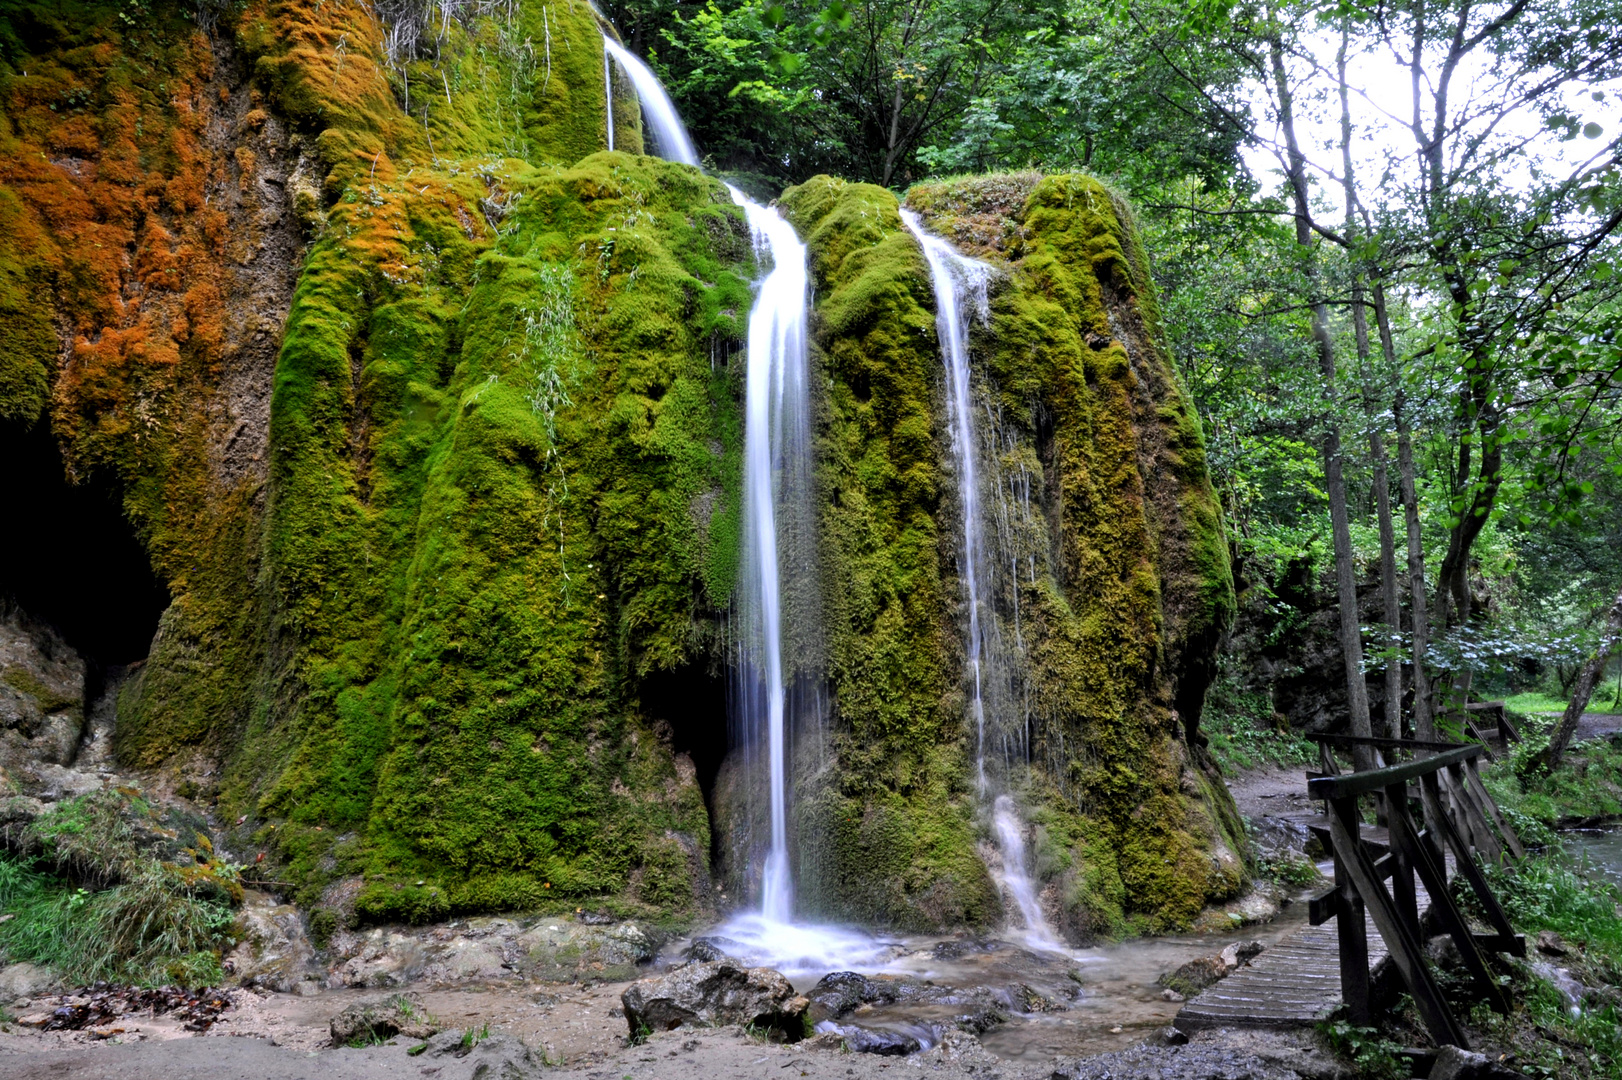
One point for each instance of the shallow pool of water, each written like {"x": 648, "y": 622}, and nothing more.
{"x": 1601, "y": 846}
{"x": 1107, "y": 994}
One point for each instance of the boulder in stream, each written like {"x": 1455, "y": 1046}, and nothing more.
{"x": 715, "y": 994}
{"x": 1204, "y": 971}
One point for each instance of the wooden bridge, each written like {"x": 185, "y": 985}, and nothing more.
{"x": 1390, "y": 893}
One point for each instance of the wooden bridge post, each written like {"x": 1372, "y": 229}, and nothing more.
{"x": 1351, "y": 931}
{"x": 1406, "y": 952}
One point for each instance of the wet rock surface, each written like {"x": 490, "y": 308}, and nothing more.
{"x": 713, "y": 994}
{"x": 381, "y": 1019}
{"x": 1197, "y": 974}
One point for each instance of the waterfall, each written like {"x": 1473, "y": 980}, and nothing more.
{"x": 957, "y": 280}
{"x": 776, "y": 416}
{"x": 776, "y": 604}
{"x": 1011, "y": 838}
{"x": 608, "y": 90}
{"x": 961, "y": 289}
{"x": 669, "y": 134}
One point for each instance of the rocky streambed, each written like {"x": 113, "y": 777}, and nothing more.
{"x": 604, "y": 999}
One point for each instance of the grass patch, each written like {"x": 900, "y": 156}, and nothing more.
{"x": 146, "y": 930}
{"x": 1551, "y": 891}
{"x": 87, "y": 897}
{"x": 1587, "y": 786}
{"x": 1603, "y": 702}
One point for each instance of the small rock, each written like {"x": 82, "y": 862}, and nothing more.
{"x": 1172, "y": 1036}
{"x": 1552, "y": 944}
{"x": 865, "y": 1040}
{"x": 398, "y": 1014}
{"x": 713, "y": 995}
{"x": 502, "y": 1057}
{"x": 21, "y": 982}
{"x": 1455, "y": 1064}
{"x": 1171, "y": 995}
{"x": 707, "y": 950}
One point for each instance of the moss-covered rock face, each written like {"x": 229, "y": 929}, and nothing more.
{"x": 426, "y": 407}
{"x": 1127, "y": 586}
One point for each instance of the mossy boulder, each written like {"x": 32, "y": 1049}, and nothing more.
{"x": 1126, "y": 589}
{"x": 426, "y": 407}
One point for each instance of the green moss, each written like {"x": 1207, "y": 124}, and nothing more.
{"x": 887, "y": 834}
{"x": 481, "y": 536}
{"x": 1139, "y": 830}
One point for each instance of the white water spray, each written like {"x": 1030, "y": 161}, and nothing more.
{"x": 659, "y": 116}
{"x": 961, "y": 289}
{"x": 957, "y": 279}
{"x": 774, "y": 394}
{"x": 608, "y": 90}
{"x": 1015, "y": 878}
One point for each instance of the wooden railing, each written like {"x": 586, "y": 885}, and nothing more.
{"x": 1460, "y": 819}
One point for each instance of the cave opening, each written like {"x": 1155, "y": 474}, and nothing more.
{"x": 70, "y": 558}
{"x": 692, "y": 701}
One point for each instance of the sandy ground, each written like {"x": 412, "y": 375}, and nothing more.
{"x": 280, "y": 1037}
{"x": 714, "y": 1054}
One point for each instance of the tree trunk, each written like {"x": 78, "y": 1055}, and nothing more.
{"x": 1351, "y": 640}
{"x": 1382, "y": 482}
{"x": 1583, "y": 688}
{"x": 1388, "y": 581}
{"x": 1424, "y": 726}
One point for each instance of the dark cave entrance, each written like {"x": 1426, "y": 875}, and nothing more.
{"x": 69, "y": 557}
{"x": 692, "y": 702}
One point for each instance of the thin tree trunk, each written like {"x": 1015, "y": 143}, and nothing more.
{"x": 1388, "y": 577}
{"x": 1583, "y": 689}
{"x": 1382, "y": 483}
{"x": 1424, "y": 726}
{"x": 1351, "y": 640}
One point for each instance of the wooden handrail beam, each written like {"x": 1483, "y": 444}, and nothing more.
{"x": 1383, "y": 742}
{"x": 1350, "y": 785}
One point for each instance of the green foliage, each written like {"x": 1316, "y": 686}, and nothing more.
{"x": 1244, "y": 733}
{"x": 1587, "y": 786}
{"x": 1549, "y": 891}
{"x": 1293, "y": 871}
{"x": 149, "y": 929}
{"x": 1374, "y": 1055}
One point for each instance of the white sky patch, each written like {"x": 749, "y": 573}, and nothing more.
{"x": 1384, "y": 148}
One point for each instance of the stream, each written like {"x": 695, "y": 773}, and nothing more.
{"x": 1600, "y": 846}
{"x": 1106, "y": 995}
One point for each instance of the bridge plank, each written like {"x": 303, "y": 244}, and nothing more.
{"x": 1296, "y": 983}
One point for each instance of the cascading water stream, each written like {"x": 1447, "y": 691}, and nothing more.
{"x": 670, "y": 140}
{"x": 774, "y": 408}
{"x": 961, "y": 288}
{"x": 777, "y": 516}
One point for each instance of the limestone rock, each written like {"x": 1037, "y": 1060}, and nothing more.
{"x": 273, "y": 951}
{"x": 42, "y": 690}
{"x": 565, "y": 950}
{"x": 23, "y": 981}
{"x": 399, "y": 1014}
{"x": 715, "y": 994}
{"x": 1205, "y": 971}
{"x": 1551, "y": 943}
{"x": 494, "y": 1057}
{"x": 1453, "y": 1063}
